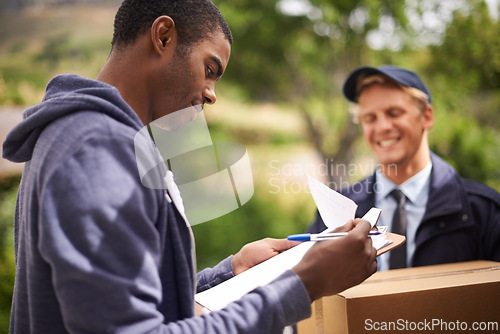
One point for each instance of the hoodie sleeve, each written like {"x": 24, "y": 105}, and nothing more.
{"x": 210, "y": 277}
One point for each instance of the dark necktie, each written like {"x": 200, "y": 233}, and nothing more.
{"x": 397, "y": 257}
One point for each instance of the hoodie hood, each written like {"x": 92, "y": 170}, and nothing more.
{"x": 66, "y": 94}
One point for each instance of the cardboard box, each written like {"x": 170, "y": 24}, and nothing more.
{"x": 451, "y": 298}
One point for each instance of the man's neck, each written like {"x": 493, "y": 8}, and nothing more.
{"x": 123, "y": 71}
{"x": 399, "y": 173}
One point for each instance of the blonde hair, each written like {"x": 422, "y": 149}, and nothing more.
{"x": 421, "y": 99}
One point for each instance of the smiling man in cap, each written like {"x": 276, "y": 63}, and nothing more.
{"x": 445, "y": 217}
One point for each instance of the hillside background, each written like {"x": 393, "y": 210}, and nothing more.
{"x": 280, "y": 96}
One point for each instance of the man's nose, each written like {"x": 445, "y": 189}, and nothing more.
{"x": 209, "y": 95}
{"x": 383, "y": 123}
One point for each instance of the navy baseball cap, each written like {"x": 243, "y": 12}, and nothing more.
{"x": 400, "y": 75}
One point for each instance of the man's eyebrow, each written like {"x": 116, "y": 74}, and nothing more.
{"x": 219, "y": 66}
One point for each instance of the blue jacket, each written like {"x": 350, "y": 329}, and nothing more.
{"x": 98, "y": 252}
{"x": 461, "y": 222}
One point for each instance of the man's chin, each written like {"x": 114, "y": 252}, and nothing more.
{"x": 388, "y": 160}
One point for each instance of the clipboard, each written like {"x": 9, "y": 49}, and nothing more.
{"x": 397, "y": 240}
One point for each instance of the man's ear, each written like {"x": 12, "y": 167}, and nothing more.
{"x": 428, "y": 116}
{"x": 163, "y": 33}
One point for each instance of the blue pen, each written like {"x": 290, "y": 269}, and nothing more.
{"x": 322, "y": 236}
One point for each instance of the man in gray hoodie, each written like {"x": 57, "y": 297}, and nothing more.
{"x": 96, "y": 250}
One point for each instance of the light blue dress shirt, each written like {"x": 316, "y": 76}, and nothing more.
{"x": 416, "y": 190}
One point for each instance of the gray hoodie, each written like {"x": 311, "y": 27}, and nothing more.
{"x": 96, "y": 251}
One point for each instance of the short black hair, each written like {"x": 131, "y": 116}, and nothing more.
{"x": 194, "y": 20}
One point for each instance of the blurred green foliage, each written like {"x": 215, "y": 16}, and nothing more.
{"x": 8, "y": 193}
{"x": 465, "y": 73}
{"x": 297, "y": 63}
{"x": 263, "y": 216}
{"x": 475, "y": 59}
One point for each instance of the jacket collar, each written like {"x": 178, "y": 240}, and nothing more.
{"x": 445, "y": 192}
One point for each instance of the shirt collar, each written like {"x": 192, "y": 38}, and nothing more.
{"x": 413, "y": 188}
